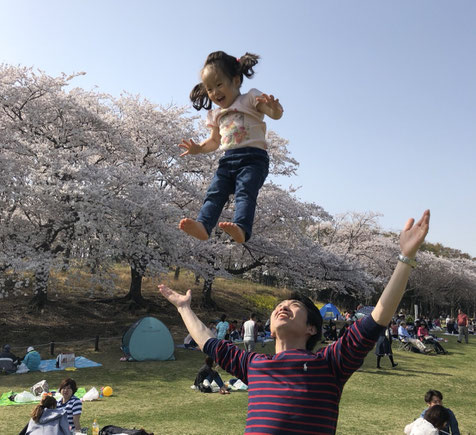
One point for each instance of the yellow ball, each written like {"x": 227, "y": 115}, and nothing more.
{"x": 107, "y": 391}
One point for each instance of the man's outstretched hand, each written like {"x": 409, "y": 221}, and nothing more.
{"x": 175, "y": 298}
{"x": 413, "y": 234}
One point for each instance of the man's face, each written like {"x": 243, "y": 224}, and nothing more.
{"x": 435, "y": 400}
{"x": 290, "y": 316}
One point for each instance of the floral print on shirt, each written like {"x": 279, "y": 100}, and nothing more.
{"x": 233, "y": 130}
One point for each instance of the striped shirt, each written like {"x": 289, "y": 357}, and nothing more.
{"x": 297, "y": 391}
{"x": 73, "y": 407}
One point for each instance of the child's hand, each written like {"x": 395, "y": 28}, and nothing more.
{"x": 191, "y": 147}
{"x": 413, "y": 235}
{"x": 273, "y": 106}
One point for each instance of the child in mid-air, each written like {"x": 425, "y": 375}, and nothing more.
{"x": 237, "y": 128}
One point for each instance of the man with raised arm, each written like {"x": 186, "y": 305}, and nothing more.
{"x": 297, "y": 391}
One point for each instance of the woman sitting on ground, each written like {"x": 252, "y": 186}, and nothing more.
{"x": 426, "y": 338}
{"x": 436, "y": 418}
{"x": 70, "y": 403}
{"x": 206, "y": 375}
{"x": 47, "y": 420}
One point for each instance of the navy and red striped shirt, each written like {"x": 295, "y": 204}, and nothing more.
{"x": 296, "y": 391}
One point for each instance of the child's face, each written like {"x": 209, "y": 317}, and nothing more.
{"x": 220, "y": 89}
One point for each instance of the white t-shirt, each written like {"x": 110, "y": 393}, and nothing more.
{"x": 249, "y": 330}
{"x": 240, "y": 125}
{"x": 420, "y": 427}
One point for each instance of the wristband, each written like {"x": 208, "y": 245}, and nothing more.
{"x": 407, "y": 260}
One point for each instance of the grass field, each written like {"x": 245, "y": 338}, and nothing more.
{"x": 157, "y": 395}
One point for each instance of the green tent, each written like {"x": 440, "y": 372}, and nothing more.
{"x": 148, "y": 339}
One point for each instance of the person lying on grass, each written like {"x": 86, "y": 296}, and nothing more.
{"x": 298, "y": 390}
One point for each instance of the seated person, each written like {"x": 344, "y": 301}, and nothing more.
{"x": 206, "y": 375}
{"x": 344, "y": 327}
{"x": 189, "y": 342}
{"x": 435, "y": 419}
{"x": 426, "y": 338}
{"x": 234, "y": 334}
{"x": 260, "y": 332}
{"x": 433, "y": 398}
{"x": 32, "y": 359}
{"x": 70, "y": 403}
{"x": 471, "y": 327}
{"x": 330, "y": 331}
{"x": 394, "y": 329}
{"x": 46, "y": 419}
{"x": 450, "y": 325}
{"x": 404, "y": 335}
{"x": 8, "y": 361}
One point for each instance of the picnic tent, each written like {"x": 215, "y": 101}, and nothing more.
{"x": 329, "y": 312}
{"x": 148, "y": 339}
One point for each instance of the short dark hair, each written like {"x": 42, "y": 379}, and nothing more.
{"x": 438, "y": 416}
{"x": 68, "y": 382}
{"x": 223, "y": 317}
{"x": 230, "y": 66}
{"x": 314, "y": 318}
{"x": 253, "y": 316}
{"x": 209, "y": 361}
{"x": 430, "y": 393}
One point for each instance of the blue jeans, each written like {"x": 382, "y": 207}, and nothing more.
{"x": 215, "y": 376}
{"x": 242, "y": 172}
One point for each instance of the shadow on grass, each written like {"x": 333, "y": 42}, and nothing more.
{"x": 402, "y": 372}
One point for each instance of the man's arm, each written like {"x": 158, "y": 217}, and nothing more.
{"x": 411, "y": 238}
{"x": 199, "y": 332}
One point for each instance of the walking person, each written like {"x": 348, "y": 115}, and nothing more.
{"x": 462, "y": 321}
{"x": 384, "y": 347}
{"x": 250, "y": 333}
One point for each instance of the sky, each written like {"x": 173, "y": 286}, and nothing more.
{"x": 379, "y": 96}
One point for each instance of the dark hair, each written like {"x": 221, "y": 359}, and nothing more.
{"x": 430, "y": 393}
{"x": 314, "y": 318}
{"x": 46, "y": 402}
{"x": 223, "y": 317}
{"x": 437, "y": 415}
{"x": 68, "y": 382}
{"x": 209, "y": 361}
{"x": 230, "y": 66}
{"x": 253, "y": 316}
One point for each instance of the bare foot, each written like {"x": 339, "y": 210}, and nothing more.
{"x": 236, "y": 233}
{"x": 193, "y": 228}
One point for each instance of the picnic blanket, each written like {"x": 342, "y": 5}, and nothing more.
{"x": 80, "y": 362}
{"x": 5, "y": 401}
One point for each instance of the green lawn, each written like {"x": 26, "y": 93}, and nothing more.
{"x": 157, "y": 395}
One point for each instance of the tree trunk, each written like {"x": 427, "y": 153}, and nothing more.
{"x": 40, "y": 299}
{"x": 177, "y": 273}
{"x": 207, "y": 301}
{"x": 135, "y": 289}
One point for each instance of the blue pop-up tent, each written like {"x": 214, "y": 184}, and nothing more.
{"x": 148, "y": 340}
{"x": 329, "y": 312}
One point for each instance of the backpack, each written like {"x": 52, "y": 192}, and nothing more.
{"x": 111, "y": 430}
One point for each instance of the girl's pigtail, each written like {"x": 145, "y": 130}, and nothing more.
{"x": 199, "y": 98}
{"x": 247, "y": 62}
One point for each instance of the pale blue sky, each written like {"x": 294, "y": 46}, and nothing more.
{"x": 379, "y": 96}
